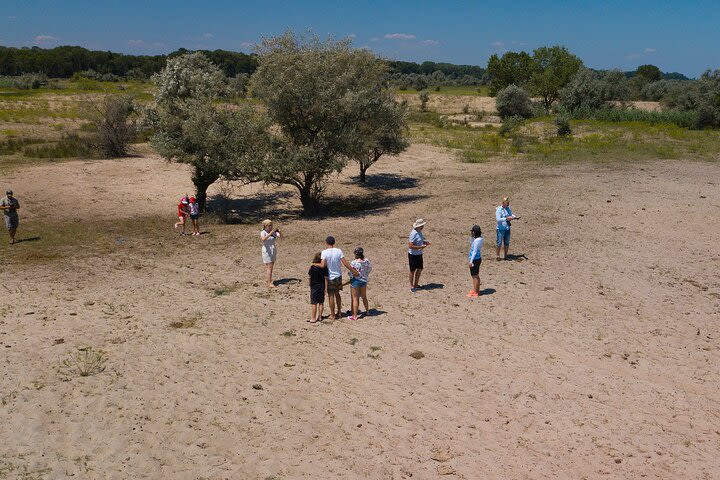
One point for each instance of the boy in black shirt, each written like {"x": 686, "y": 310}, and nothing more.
{"x": 318, "y": 278}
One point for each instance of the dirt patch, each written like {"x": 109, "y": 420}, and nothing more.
{"x": 598, "y": 346}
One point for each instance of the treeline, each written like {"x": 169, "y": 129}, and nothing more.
{"x": 65, "y": 61}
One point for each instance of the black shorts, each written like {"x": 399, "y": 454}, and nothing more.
{"x": 195, "y": 216}
{"x": 317, "y": 293}
{"x": 475, "y": 269}
{"x": 415, "y": 261}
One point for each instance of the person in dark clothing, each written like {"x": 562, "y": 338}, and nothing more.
{"x": 318, "y": 278}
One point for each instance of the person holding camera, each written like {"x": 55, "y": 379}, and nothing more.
{"x": 504, "y": 217}
{"x": 268, "y": 238}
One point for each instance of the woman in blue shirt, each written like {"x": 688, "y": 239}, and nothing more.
{"x": 475, "y": 259}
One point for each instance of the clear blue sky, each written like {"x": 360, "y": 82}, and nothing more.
{"x": 676, "y": 35}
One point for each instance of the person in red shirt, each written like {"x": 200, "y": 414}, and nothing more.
{"x": 183, "y": 212}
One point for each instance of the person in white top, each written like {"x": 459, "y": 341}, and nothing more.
{"x": 333, "y": 259}
{"x": 268, "y": 239}
{"x": 504, "y": 216}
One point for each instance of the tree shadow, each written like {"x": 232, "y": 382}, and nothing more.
{"x": 251, "y": 209}
{"x": 28, "y": 239}
{"x": 286, "y": 281}
{"x": 359, "y": 205}
{"x": 386, "y": 181}
{"x": 487, "y": 291}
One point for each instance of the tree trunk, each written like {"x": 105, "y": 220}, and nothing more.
{"x": 202, "y": 180}
{"x": 309, "y": 199}
{"x": 363, "y": 169}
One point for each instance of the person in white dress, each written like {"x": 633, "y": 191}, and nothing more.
{"x": 268, "y": 238}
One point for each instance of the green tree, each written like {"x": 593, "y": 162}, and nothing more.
{"x": 318, "y": 94}
{"x": 554, "y": 67}
{"x": 651, "y": 73}
{"x": 190, "y": 129}
{"x": 513, "y": 68}
{"x": 383, "y": 131}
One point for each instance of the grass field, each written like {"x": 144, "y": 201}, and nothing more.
{"x": 593, "y": 140}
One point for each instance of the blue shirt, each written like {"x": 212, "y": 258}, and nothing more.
{"x": 417, "y": 239}
{"x": 476, "y": 249}
{"x": 501, "y": 215}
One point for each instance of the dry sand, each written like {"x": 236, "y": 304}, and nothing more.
{"x": 594, "y": 356}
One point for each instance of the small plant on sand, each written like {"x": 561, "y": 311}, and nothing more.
{"x": 85, "y": 362}
{"x": 289, "y": 333}
{"x": 224, "y": 289}
{"x": 424, "y": 99}
{"x": 374, "y": 352}
{"x": 188, "y": 322}
{"x": 353, "y": 341}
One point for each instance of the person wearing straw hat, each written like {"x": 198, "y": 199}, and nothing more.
{"x": 416, "y": 245}
{"x": 10, "y": 205}
{"x": 504, "y": 216}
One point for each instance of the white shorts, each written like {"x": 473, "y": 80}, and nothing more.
{"x": 268, "y": 255}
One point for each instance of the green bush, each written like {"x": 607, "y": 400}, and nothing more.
{"x": 562, "y": 122}
{"x": 513, "y": 101}
{"x": 30, "y": 81}
{"x": 511, "y": 124}
{"x": 424, "y": 98}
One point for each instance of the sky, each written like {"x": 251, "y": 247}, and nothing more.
{"x": 678, "y": 36}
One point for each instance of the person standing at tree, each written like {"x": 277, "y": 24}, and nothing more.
{"x": 195, "y": 215}
{"x": 183, "y": 212}
{"x": 10, "y": 205}
{"x": 416, "y": 245}
{"x": 504, "y": 216}
{"x": 333, "y": 259}
{"x": 268, "y": 238}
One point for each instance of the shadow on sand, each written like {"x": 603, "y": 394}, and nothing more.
{"x": 28, "y": 239}
{"x": 286, "y": 281}
{"x": 386, "y": 181}
{"x": 487, "y": 291}
{"x": 516, "y": 257}
{"x": 432, "y": 286}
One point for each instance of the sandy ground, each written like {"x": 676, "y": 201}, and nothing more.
{"x": 594, "y": 355}
{"x": 442, "y": 103}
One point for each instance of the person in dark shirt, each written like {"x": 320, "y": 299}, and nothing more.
{"x": 318, "y": 278}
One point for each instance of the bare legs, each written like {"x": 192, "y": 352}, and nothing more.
{"x": 180, "y": 222}
{"x": 476, "y": 284}
{"x": 12, "y": 231}
{"x": 268, "y": 274}
{"x": 415, "y": 278}
{"x": 333, "y": 299}
{"x": 317, "y": 311}
{"x": 196, "y": 226}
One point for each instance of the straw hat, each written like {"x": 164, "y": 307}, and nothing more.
{"x": 419, "y": 223}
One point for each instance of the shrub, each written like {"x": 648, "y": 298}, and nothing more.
{"x": 466, "y": 108}
{"x": 113, "y": 124}
{"x": 513, "y": 101}
{"x": 511, "y": 124}
{"x": 562, "y": 122}
{"x": 424, "y": 98}
{"x": 585, "y": 91}
{"x": 30, "y": 81}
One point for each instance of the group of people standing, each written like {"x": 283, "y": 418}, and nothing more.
{"x": 326, "y": 270}
{"x": 188, "y": 208}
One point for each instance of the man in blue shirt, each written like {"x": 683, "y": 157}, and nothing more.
{"x": 504, "y": 216}
{"x": 416, "y": 245}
